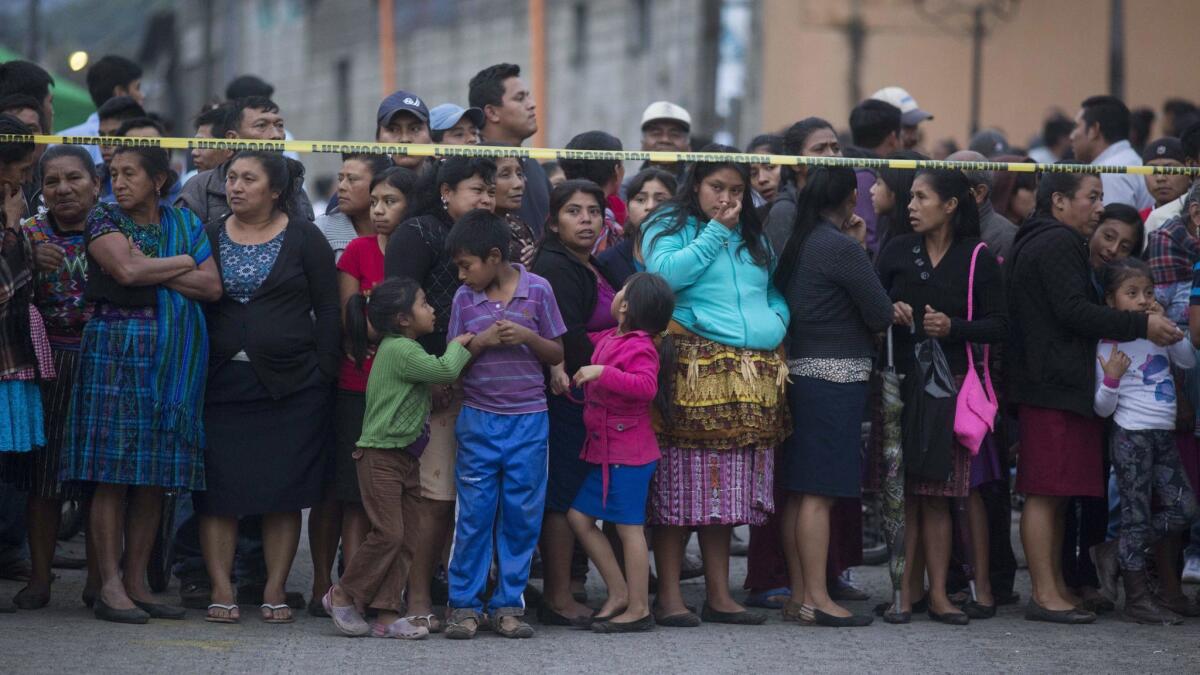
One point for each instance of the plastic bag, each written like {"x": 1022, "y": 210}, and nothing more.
{"x": 928, "y": 423}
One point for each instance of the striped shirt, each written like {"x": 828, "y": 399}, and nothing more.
{"x": 505, "y": 379}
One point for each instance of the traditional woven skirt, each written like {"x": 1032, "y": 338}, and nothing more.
{"x": 111, "y": 436}
{"x": 37, "y": 472}
{"x": 728, "y": 414}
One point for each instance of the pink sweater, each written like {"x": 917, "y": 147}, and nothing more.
{"x": 617, "y": 407}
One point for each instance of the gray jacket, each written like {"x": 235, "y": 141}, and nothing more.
{"x": 204, "y": 195}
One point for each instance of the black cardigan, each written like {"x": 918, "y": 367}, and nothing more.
{"x": 1057, "y": 318}
{"x": 908, "y": 275}
{"x": 575, "y": 291}
{"x": 291, "y": 327}
{"x": 417, "y": 250}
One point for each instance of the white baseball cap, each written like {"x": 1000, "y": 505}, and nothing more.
{"x": 910, "y": 113}
{"x": 665, "y": 110}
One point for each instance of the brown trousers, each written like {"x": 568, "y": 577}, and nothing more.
{"x": 390, "y": 482}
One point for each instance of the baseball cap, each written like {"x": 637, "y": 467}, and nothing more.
{"x": 402, "y": 101}
{"x": 910, "y": 113}
{"x": 665, "y": 110}
{"x": 989, "y": 143}
{"x": 1164, "y": 148}
{"x": 446, "y": 115}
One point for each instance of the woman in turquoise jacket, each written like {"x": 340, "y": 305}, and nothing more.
{"x": 728, "y": 414}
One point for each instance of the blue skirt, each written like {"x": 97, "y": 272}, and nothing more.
{"x": 21, "y": 405}
{"x": 628, "y": 487}
{"x": 823, "y": 456}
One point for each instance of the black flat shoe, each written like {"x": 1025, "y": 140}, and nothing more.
{"x": 88, "y": 598}
{"x": 549, "y": 617}
{"x": 27, "y": 599}
{"x": 976, "y": 610}
{"x": 950, "y": 618}
{"x": 685, "y": 620}
{"x": 317, "y": 609}
{"x": 1008, "y": 598}
{"x": 919, "y": 607}
{"x": 897, "y": 617}
{"x": 106, "y": 613}
{"x": 646, "y": 623}
{"x": 853, "y": 621}
{"x": 160, "y": 611}
{"x": 1035, "y": 612}
{"x": 742, "y": 618}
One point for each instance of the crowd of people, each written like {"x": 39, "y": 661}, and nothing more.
{"x": 468, "y": 367}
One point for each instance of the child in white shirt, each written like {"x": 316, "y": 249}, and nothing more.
{"x": 1134, "y": 384}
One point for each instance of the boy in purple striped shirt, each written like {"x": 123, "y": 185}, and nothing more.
{"x": 502, "y": 430}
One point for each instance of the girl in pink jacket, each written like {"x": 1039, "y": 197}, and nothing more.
{"x": 628, "y": 372}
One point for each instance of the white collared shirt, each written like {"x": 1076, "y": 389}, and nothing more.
{"x": 1122, "y": 187}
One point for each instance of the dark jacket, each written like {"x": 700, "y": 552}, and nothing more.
{"x": 204, "y": 194}
{"x": 417, "y": 250}
{"x": 1056, "y": 318}
{"x": 291, "y": 327}
{"x": 617, "y": 263}
{"x": 575, "y": 291}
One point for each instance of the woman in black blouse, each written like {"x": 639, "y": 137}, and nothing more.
{"x": 926, "y": 275}
{"x": 270, "y": 370}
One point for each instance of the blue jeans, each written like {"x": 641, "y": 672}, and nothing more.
{"x": 501, "y": 480}
{"x": 249, "y": 567}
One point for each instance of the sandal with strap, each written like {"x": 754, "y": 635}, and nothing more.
{"x": 400, "y": 629}
{"x": 269, "y": 613}
{"x": 463, "y": 625}
{"x": 229, "y": 617}
{"x": 791, "y": 611}
{"x": 429, "y": 621}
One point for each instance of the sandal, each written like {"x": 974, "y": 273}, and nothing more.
{"x": 269, "y": 613}
{"x": 230, "y": 616}
{"x": 520, "y": 631}
{"x": 774, "y": 598}
{"x": 463, "y": 625}
{"x": 790, "y": 610}
{"x": 429, "y": 621}
{"x": 401, "y": 629}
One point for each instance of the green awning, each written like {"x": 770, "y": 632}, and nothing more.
{"x": 72, "y": 103}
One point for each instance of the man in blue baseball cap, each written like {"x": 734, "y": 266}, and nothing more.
{"x": 455, "y": 125}
{"x": 403, "y": 118}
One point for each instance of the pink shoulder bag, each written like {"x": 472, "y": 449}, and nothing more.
{"x": 975, "y": 409}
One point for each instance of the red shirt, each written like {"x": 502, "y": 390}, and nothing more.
{"x": 362, "y": 260}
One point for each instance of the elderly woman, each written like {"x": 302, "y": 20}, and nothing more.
{"x": 70, "y": 187}
{"x": 268, "y": 401}
{"x": 135, "y": 427}
{"x": 729, "y": 413}
{"x": 1057, "y": 319}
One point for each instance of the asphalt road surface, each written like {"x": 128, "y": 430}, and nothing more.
{"x": 64, "y": 638}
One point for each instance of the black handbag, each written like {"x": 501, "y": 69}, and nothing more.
{"x": 930, "y": 398}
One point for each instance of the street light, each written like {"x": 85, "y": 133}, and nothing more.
{"x": 77, "y": 61}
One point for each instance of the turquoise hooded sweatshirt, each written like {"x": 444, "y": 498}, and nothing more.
{"x": 720, "y": 293}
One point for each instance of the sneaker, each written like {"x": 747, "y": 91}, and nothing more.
{"x": 1191, "y": 571}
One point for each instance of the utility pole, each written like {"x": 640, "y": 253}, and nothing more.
{"x": 943, "y": 13}
{"x": 856, "y": 35}
{"x": 33, "y": 39}
{"x": 1116, "y": 49}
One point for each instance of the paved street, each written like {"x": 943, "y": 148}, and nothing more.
{"x": 65, "y": 638}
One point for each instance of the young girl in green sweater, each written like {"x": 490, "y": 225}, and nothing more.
{"x": 395, "y": 431}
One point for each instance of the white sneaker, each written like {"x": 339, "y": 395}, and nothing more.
{"x": 1191, "y": 571}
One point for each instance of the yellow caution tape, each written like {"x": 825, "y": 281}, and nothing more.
{"x": 547, "y": 154}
